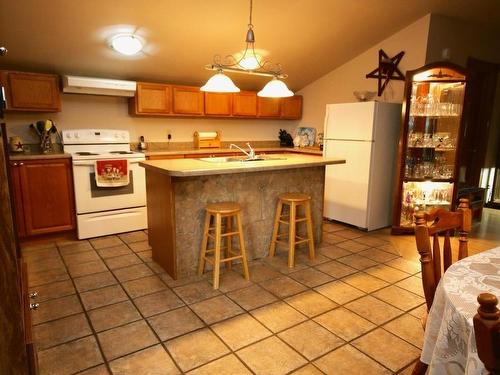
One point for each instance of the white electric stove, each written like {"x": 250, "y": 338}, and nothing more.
{"x": 105, "y": 210}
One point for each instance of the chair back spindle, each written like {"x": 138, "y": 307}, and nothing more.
{"x": 433, "y": 224}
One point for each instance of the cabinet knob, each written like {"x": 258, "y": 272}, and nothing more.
{"x": 21, "y": 163}
{"x": 14, "y": 164}
{"x": 33, "y": 295}
{"x": 34, "y": 306}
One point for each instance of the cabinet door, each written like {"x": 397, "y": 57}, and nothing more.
{"x": 17, "y": 197}
{"x": 291, "y": 108}
{"x": 268, "y": 107}
{"x": 218, "y": 104}
{"x": 47, "y": 196}
{"x": 245, "y": 104}
{"x": 164, "y": 157}
{"x": 188, "y": 100}
{"x": 153, "y": 99}
{"x": 32, "y": 92}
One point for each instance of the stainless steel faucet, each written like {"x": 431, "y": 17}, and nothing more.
{"x": 250, "y": 154}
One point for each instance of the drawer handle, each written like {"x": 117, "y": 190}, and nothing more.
{"x": 33, "y": 295}
{"x": 34, "y": 306}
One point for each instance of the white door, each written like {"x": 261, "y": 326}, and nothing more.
{"x": 353, "y": 121}
{"x": 346, "y": 185}
{"x": 90, "y": 198}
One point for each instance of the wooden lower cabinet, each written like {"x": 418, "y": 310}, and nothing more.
{"x": 43, "y": 196}
{"x": 164, "y": 157}
{"x": 28, "y": 303}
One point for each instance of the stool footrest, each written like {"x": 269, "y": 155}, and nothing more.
{"x": 211, "y": 260}
{"x": 223, "y": 234}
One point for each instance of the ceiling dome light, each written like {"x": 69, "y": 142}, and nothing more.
{"x": 250, "y": 62}
{"x": 126, "y": 44}
{"x": 220, "y": 83}
{"x": 275, "y": 89}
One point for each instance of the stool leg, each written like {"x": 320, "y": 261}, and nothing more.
{"x": 229, "y": 241}
{"x": 242, "y": 247}
{"x": 217, "y": 250}
{"x": 277, "y": 217}
{"x": 310, "y": 235}
{"x": 204, "y": 243}
{"x": 291, "y": 236}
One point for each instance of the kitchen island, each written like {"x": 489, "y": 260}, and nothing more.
{"x": 178, "y": 190}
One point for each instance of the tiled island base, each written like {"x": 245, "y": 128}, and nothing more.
{"x": 176, "y": 210}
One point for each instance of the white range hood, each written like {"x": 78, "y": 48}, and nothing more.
{"x": 98, "y": 86}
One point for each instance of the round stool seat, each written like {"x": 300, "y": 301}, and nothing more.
{"x": 223, "y": 208}
{"x": 294, "y": 197}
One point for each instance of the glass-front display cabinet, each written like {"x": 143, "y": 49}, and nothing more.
{"x": 429, "y": 142}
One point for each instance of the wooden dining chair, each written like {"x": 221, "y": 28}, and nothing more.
{"x": 434, "y": 262}
{"x": 487, "y": 331}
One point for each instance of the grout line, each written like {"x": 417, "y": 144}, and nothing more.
{"x": 244, "y": 311}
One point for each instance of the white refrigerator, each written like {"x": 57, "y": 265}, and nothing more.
{"x": 366, "y": 134}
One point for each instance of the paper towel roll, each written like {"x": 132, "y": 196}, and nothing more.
{"x": 207, "y": 135}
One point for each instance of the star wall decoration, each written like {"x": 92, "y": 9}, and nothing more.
{"x": 387, "y": 70}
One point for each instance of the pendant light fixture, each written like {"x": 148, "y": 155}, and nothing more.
{"x": 248, "y": 63}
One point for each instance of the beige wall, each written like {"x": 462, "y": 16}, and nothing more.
{"x": 338, "y": 85}
{"x": 91, "y": 111}
{"x": 462, "y": 40}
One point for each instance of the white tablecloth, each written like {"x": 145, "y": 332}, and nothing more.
{"x": 449, "y": 343}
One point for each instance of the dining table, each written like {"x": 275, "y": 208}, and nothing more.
{"x": 449, "y": 342}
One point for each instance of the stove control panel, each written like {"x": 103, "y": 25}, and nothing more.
{"x": 95, "y": 136}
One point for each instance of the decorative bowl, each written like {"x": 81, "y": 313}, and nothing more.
{"x": 364, "y": 96}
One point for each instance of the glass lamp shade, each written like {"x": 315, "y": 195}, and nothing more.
{"x": 220, "y": 83}
{"x": 126, "y": 44}
{"x": 250, "y": 62}
{"x": 275, "y": 89}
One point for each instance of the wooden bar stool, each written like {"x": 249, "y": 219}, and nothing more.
{"x": 219, "y": 211}
{"x": 293, "y": 200}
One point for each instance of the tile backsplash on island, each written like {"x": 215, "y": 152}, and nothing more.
{"x": 90, "y": 111}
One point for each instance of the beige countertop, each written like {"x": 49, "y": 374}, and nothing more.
{"x": 196, "y": 167}
{"x": 258, "y": 150}
{"x": 38, "y": 156}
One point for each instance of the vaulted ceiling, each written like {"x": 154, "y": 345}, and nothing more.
{"x": 308, "y": 37}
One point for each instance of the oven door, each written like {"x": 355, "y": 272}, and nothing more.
{"x": 91, "y": 198}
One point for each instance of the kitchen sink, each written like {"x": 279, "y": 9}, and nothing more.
{"x": 239, "y": 159}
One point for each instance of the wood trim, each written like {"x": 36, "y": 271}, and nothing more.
{"x": 161, "y": 221}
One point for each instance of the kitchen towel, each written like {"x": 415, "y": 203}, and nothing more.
{"x": 111, "y": 173}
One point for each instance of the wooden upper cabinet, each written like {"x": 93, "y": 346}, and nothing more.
{"x": 188, "y": 100}
{"x": 156, "y": 99}
{"x": 218, "y": 104}
{"x": 291, "y": 108}
{"x": 268, "y": 107}
{"x": 152, "y": 99}
{"x": 43, "y": 195}
{"x": 245, "y": 104}
{"x": 32, "y": 92}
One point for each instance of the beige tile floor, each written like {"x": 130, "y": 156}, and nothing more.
{"x": 107, "y": 308}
